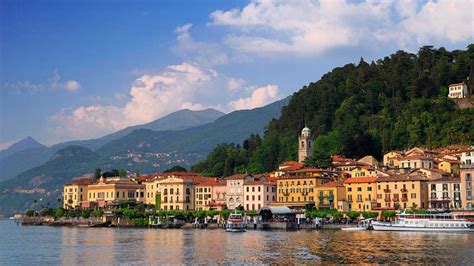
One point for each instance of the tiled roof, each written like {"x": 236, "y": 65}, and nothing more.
{"x": 360, "y": 180}
{"x": 416, "y": 157}
{"x": 311, "y": 170}
{"x": 291, "y": 165}
{"x": 333, "y": 184}
{"x": 254, "y": 183}
{"x": 83, "y": 181}
{"x": 237, "y": 176}
{"x": 409, "y": 177}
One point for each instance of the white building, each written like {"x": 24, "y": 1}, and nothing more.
{"x": 444, "y": 193}
{"x": 458, "y": 91}
{"x": 235, "y": 190}
{"x": 258, "y": 194}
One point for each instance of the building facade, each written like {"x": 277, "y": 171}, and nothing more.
{"x": 458, "y": 91}
{"x": 235, "y": 190}
{"x": 332, "y": 195}
{"x": 467, "y": 173}
{"x": 402, "y": 192}
{"x": 75, "y": 193}
{"x": 445, "y": 194}
{"x": 361, "y": 193}
{"x": 258, "y": 194}
{"x": 108, "y": 192}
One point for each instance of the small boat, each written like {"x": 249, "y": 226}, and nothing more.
{"x": 440, "y": 222}
{"x": 362, "y": 225}
{"x": 235, "y": 223}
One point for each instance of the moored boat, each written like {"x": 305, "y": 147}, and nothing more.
{"x": 235, "y": 223}
{"x": 442, "y": 222}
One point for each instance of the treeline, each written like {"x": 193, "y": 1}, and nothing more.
{"x": 362, "y": 109}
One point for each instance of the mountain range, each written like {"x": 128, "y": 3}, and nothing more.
{"x": 181, "y": 138}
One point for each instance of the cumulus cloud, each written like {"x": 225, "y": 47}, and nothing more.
{"x": 154, "y": 95}
{"x": 54, "y": 84}
{"x": 260, "y": 97}
{"x": 306, "y": 27}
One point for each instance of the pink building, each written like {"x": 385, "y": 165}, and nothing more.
{"x": 258, "y": 194}
{"x": 218, "y": 196}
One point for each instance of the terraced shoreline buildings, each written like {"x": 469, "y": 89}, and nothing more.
{"x": 418, "y": 178}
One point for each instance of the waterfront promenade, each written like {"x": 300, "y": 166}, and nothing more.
{"x": 45, "y": 245}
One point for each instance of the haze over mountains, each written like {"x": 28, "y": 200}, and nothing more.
{"x": 184, "y": 137}
{"x": 28, "y": 153}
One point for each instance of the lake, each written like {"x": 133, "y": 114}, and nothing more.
{"x": 44, "y": 245}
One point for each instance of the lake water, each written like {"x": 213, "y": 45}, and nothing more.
{"x": 43, "y": 245}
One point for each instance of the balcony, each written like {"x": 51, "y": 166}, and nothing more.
{"x": 396, "y": 199}
{"x": 404, "y": 190}
{"x": 387, "y": 199}
{"x": 359, "y": 200}
{"x": 404, "y": 199}
{"x": 386, "y": 190}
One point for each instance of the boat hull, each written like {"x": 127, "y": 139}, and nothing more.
{"x": 418, "y": 229}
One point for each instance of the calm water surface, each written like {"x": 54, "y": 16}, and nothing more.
{"x": 43, "y": 245}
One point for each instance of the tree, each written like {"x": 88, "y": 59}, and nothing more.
{"x": 97, "y": 213}
{"x": 368, "y": 215}
{"x": 176, "y": 168}
{"x": 46, "y": 212}
{"x": 122, "y": 173}
{"x": 97, "y": 173}
{"x": 389, "y": 214}
{"x": 353, "y": 215}
{"x": 59, "y": 212}
{"x": 30, "y": 213}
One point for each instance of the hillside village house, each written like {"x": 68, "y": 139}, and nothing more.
{"x": 467, "y": 174}
{"x": 416, "y": 161}
{"x": 392, "y": 159}
{"x": 361, "y": 193}
{"x": 458, "y": 91}
{"x": 363, "y": 171}
{"x": 444, "y": 193}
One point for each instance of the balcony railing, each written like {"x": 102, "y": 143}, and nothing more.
{"x": 404, "y": 199}
{"x": 404, "y": 190}
{"x": 386, "y": 190}
{"x": 396, "y": 200}
{"x": 387, "y": 199}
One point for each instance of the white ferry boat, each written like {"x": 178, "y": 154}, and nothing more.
{"x": 442, "y": 222}
{"x": 235, "y": 223}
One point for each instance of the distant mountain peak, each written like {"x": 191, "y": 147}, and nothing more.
{"x": 26, "y": 143}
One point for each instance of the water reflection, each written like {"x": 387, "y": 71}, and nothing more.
{"x": 93, "y": 246}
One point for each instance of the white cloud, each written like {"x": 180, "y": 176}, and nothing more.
{"x": 54, "y": 84}
{"x": 260, "y": 97}
{"x": 152, "y": 96}
{"x": 202, "y": 53}
{"x": 306, "y": 27}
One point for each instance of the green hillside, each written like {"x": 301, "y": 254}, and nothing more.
{"x": 396, "y": 102}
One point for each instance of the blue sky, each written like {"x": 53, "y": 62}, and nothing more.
{"x": 82, "y": 69}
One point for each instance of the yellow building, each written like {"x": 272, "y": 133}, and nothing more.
{"x": 366, "y": 171}
{"x": 110, "y": 191}
{"x": 75, "y": 193}
{"x": 392, "y": 159}
{"x": 361, "y": 193}
{"x": 402, "y": 192}
{"x": 331, "y": 195}
{"x": 449, "y": 166}
{"x": 298, "y": 188}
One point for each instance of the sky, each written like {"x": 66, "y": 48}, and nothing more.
{"x": 82, "y": 69}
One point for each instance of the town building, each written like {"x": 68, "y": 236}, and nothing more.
{"x": 361, "y": 193}
{"x": 332, "y": 195}
{"x": 467, "y": 173}
{"x": 458, "y": 91}
{"x": 365, "y": 171}
{"x": 392, "y": 159}
{"x": 108, "y": 192}
{"x": 445, "y": 193}
{"x": 417, "y": 161}
{"x": 258, "y": 194}
{"x": 203, "y": 194}
{"x": 235, "y": 190}
{"x": 219, "y": 192}
{"x": 297, "y": 188}
{"x": 305, "y": 144}
{"x": 75, "y": 193}
{"x": 402, "y": 192}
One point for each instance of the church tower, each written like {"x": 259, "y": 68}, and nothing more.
{"x": 305, "y": 144}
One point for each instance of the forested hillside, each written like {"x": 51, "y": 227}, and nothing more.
{"x": 396, "y": 102}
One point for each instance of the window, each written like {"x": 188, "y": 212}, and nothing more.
{"x": 359, "y": 189}
{"x": 369, "y": 189}
{"x": 433, "y": 186}
{"x": 349, "y": 189}
{"x": 248, "y": 189}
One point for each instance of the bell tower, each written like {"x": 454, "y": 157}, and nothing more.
{"x": 305, "y": 144}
